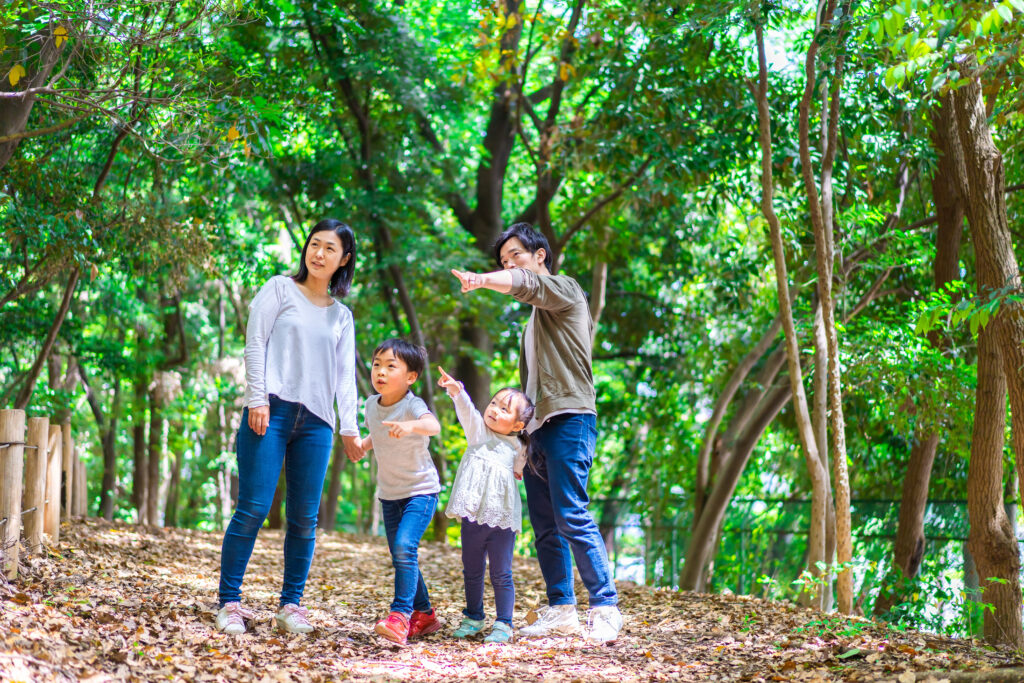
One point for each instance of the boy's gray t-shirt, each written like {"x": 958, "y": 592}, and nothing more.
{"x": 404, "y": 467}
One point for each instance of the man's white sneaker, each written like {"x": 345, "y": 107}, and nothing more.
{"x": 231, "y": 618}
{"x": 604, "y": 624}
{"x": 554, "y": 620}
{"x": 293, "y": 619}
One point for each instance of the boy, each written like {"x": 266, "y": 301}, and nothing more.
{"x": 555, "y": 371}
{"x": 400, "y": 425}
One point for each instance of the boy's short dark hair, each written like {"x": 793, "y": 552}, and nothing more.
{"x": 414, "y": 357}
{"x": 531, "y": 238}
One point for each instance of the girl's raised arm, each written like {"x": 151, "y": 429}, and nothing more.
{"x": 469, "y": 416}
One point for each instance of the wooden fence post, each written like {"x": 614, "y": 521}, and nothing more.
{"x": 51, "y": 513}
{"x": 12, "y": 453}
{"x": 68, "y": 467}
{"x": 33, "y": 500}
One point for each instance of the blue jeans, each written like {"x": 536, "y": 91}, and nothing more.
{"x": 557, "y": 499}
{"x": 405, "y": 522}
{"x": 481, "y": 543}
{"x": 300, "y": 441}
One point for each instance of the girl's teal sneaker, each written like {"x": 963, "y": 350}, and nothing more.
{"x": 500, "y": 633}
{"x": 469, "y": 627}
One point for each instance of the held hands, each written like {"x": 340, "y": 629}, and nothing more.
{"x": 353, "y": 448}
{"x": 449, "y": 383}
{"x": 259, "y": 418}
{"x": 468, "y": 280}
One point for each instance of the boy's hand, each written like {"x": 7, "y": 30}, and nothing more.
{"x": 353, "y": 448}
{"x": 449, "y": 383}
{"x": 468, "y": 280}
{"x": 399, "y": 429}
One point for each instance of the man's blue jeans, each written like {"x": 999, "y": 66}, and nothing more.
{"x": 301, "y": 442}
{"x": 405, "y": 522}
{"x": 557, "y": 499}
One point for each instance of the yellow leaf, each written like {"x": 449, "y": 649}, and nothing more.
{"x": 60, "y": 34}
{"x": 563, "y": 71}
{"x": 233, "y": 134}
{"x": 511, "y": 21}
{"x": 16, "y": 74}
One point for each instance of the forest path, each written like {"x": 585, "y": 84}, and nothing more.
{"x": 123, "y": 603}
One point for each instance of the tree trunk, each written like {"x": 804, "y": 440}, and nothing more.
{"x": 998, "y": 273}
{"x": 140, "y": 469}
{"x": 274, "y": 517}
{"x": 908, "y": 547}
{"x": 818, "y": 476}
{"x": 14, "y": 112}
{"x": 991, "y": 539}
{"x": 329, "y": 504}
{"x": 703, "y": 539}
{"x": 173, "y": 492}
{"x": 154, "y": 457}
{"x": 108, "y": 488}
{"x": 1000, "y": 362}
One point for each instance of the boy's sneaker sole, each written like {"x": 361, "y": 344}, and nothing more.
{"x": 389, "y": 635}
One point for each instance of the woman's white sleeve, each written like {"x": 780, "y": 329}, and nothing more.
{"x": 469, "y": 416}
{"x": 263, "y": 312}
{"x": 345, "y": 386}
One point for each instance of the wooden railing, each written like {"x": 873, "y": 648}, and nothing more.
{"x": 41, "y": 477}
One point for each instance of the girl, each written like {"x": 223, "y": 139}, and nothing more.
{"x": 299, "y": 362}
{"x": 485, "y": 495}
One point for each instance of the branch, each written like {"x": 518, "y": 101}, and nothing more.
{"x": 43, "y": 131}
{"x": 25, "y": 395}
{"x": 605, "y": 201}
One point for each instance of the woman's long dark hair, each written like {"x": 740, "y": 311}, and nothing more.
{"x": 341, "y": 281}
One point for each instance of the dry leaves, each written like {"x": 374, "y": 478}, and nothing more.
{"x": 120, "y": 603}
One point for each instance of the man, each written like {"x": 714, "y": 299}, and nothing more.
{"x": 555, "y": 371}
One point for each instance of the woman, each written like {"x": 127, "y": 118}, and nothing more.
{"x": 299, "y": 361}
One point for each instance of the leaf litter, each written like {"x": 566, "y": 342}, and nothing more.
{"x": 114, "y": 602}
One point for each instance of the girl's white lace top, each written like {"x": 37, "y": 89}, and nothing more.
{"x": 485, "y": 490}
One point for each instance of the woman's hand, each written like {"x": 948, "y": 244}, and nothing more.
{"x": 353, "y": 448}
{"x": 259, "y": 418}
{"x": 449, "y": 383}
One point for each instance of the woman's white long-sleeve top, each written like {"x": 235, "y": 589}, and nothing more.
{"x": 302, "y": 353}
{"x": 485, "y": 490}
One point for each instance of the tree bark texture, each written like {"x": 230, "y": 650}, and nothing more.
{"x": 991, "y": 540}
{"x": 1000, "y": 362}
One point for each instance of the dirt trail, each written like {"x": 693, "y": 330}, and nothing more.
{"x": 116, "y": 602}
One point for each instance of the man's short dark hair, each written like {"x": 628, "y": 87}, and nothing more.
{"x": 531, "y": 238}
{"x": 414, "y": 357}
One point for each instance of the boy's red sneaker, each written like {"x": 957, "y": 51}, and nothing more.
{"x": 423, "y": 624}
{"x": 395, "y": 627}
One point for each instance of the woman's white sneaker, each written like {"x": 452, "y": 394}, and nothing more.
{"x": 603, "y": 624}
{"x": 293, "y": 619}
{"x": 231, "y": 618}
{"x": 554, "y": 620}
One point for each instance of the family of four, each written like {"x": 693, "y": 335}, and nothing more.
{"x": 300, "y": 362}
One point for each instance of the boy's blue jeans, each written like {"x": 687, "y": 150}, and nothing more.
{"x": 557, "y": 500}
{"x": 405, "y": 522}
{"x": 300, "y": 441}
{"x": 482, "y": 543}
